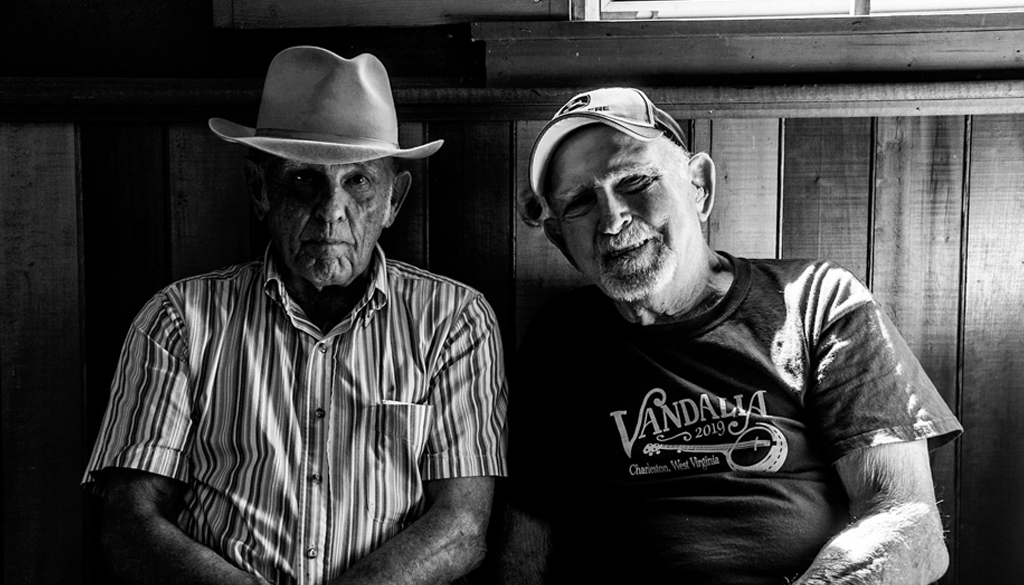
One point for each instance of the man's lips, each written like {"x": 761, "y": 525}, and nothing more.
{"x": 625, "y": 251}
{"x": 324, "y": 242}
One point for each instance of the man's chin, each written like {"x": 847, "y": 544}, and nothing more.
{"x": 325, "y": 273}
{"x": 628, "y": 289}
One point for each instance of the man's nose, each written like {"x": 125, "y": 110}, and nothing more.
{"x": 333, "y": 204}
{"x": 615, "y": 212}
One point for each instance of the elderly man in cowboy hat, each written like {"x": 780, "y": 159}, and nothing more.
{"x": 696, "y": 417}
{"x": 323, "y": 415}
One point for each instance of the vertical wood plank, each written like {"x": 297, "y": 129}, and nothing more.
{"x": 701, "y": 135}
{"x": 125, "y": 260}
{"x": 40, "y": 354}
{"x": 471, "y": 212}
{"x": 827, "y": 186}
{"x": 125, "y": 239}
{"x": 541, "y": 272}
{"x": 919, "y": 167}
{"x": 991, "y": 508}
{"x": 406, "y": 239}
{"x": 746, "y": 154}
{"x": 701, "y": 139}
{"x": 210, "y": 209}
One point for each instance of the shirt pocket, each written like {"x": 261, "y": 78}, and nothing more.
{"x": 399, "y": 438}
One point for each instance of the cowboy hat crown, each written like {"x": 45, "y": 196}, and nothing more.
{"x": 320, "y": 108}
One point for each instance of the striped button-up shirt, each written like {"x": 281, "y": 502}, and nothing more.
{"x": 304, "y": 451}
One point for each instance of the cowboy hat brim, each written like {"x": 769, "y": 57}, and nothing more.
{"x": 336, "y": 150}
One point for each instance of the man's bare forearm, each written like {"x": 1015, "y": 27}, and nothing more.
{"x": 444, "y": 544}
{"x": 892, "y": 547}
{"x": 145, "y": 547}
{"x": 897, "y": 537}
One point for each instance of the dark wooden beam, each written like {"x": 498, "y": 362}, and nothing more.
{"x": 63, "y": 99}
{"x": 676, "y": 53}
{"x": 331, "y": 13}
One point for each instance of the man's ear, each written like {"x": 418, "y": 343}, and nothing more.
{"x": 702, "y": 175}
{"x": 254, "y": 181}
{"x": 399, "y": 189}
{"x": 553, "y": 231}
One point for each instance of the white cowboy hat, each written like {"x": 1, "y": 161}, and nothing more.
{"x": 320, "y": 108}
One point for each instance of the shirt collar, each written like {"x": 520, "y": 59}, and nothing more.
{"x": 375, "y": 297}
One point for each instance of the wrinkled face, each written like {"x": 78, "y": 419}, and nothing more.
{"x": 624, "y": 211}
{"x": 324, "y": 220}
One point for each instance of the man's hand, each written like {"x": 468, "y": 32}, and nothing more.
{"x": 896, "y": 538}
{"x": 143, "y": 542}
{"x": 442, "y": 545}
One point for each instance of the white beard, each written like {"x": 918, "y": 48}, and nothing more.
{"x": 630, "y": 274}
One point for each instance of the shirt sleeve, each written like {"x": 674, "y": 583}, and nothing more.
{"x": 470, "y": 397}
{"x": 148, "y": 418}
{"x": 869, "y": 389}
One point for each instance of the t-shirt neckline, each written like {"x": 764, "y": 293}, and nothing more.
{"x": 700, "y": 323}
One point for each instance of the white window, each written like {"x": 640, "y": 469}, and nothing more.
{"x": 702, "y": 9}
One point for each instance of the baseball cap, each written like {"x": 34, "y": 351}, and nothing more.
{"x": 627, "y": 110}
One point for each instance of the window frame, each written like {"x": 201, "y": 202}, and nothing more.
{"x": 598, "y": 10}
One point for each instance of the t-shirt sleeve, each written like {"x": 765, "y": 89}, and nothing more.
{"x": 469, "y": 394}
{"x": 148, "y": 418}
{"x": 869, "y": 389}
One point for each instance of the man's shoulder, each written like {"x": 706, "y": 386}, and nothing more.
{"x": 415, "y": 284}
{"x": 818, "y": 274}
{"x": 820, "y": 287}
{"x": 220, "y": 281}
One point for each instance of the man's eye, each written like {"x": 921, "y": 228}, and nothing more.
{"x": 636, "y": 184}
{"x": 302, "y": 177}
{"x": 358, "y": 180}
{"x": 579, "y": 205}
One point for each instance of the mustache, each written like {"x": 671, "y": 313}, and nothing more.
{"x": 633, "y": 235}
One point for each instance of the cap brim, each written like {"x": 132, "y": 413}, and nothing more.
{"x": 315, "y": 151}
{"x": 556, "y": 130}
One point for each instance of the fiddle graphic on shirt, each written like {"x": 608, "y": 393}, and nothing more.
{"x": 762, "y": 447}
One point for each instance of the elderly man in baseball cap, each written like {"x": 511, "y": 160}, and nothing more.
{"x": 696, "y": 417}
{"x": 324, "y": 414}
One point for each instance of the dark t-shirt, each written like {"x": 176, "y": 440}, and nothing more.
{"x": 703, "y": 450}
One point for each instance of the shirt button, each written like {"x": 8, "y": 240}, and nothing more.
{"x": 322, "y": 348}
{"x": 320, "y": 413}
{"x": 310, "y": 553}
{"x": 316, "y": 478}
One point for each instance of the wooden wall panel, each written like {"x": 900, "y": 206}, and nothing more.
{"x": 158, "y": 202}
{"x": 919, "y": 167}
{"x": 126, "y": 259}
{"x": 826, "y": 189}
{"x": 125, "y": 239}
{"x": 470, "y": 211}
{"x": 541, "y": 272}
{"x": 126, "y": 218}
{"x": 992, "y": 478}
{"x": 210, "y": 209}
{"x": 406, "y": 239}
{"x": 41, "y": 370}
{"x": 700, "y": 134}
{"x": 744, "y": 221}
